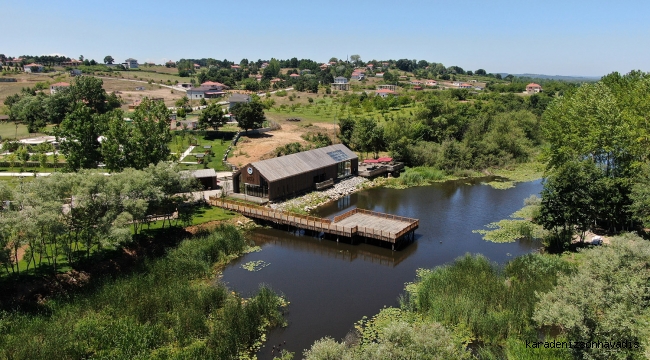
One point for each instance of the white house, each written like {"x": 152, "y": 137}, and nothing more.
{"x": 385, "y": 93}
{"x": 33, "y": 67}
{"x": 533, "y": 88}
{"x": 56, "y": 87}
{"x": 131, "y": 63}
{"x": 340, "y": 83}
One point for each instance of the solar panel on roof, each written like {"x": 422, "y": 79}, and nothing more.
{"x": 337, "y": 155}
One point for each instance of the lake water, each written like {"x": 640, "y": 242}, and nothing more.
{"x": 332, "y": 285}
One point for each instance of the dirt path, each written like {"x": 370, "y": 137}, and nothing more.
{"x": 260, "y": 147}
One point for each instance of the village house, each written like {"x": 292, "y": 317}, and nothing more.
{"x": 235, "y": 67}
{"x": 72, "y": 62}
{"x": 533, "y": 88}
{"x": 215, "y": 85}
{"x": 238, "y": 99}
{"x": 358, "y": 74}
{"x": 379, "y": 75}
{"x": 275, "y": 81}
{"x": 416, "y": 82}
{"x": 258, "y": 77}
{"x": 57, "y": 86}
{"x": 464, "y": 86}
{"x": 294, "y": 76}
{"x": 264, "y": 65}
{"x": 385, "y": 93}
{"x": 33, "y": 67}
{"x": 170, "y": 64}
{"x": 14, "y": 61}
{"x": 370, "y": 66}
{"x": 340, "y": 83}
{"x": 197, "y": 66}
{"x": 130, "y": 63}
{"x": 324, "y": 66}
{"x": 430, "y": 83}
{"x": 387, "y": 87}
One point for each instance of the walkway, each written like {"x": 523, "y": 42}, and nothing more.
{"x": 354, "y": 223}
{"x": 186, "y": 153}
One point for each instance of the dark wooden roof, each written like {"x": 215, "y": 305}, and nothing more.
{"x": 294, "y": 164}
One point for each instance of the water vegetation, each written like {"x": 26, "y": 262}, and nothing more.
{"x": 255, "y": 265}
{"x": 168, "y": 308}
{"x": 479, "y": 309}
{"x": 521, "y": 225}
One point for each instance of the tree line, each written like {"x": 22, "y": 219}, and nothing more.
{"x": 91, "y": 127}
{"x": 65, "y": 217}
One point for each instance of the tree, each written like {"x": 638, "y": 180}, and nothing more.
{"x": 603, "y": 299}
{"x": 30, "y": 111}
{"x": 568, "y": 201}
{"x": 212, "y": 116}
{"x": 141, "y": 143}
{"x": 355, "y": 58}
{"x": 79, "y": 135}
{"x": 108, "y": 59}
{"x": 480, "y": 72}
{"x": 249, "y": 115}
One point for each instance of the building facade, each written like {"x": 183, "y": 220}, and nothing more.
{"x": 290, "y": 175}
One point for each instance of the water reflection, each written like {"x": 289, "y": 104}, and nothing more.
{"x": 332, "y": 285}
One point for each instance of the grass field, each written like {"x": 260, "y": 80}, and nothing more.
{"x": 219, "y": 140}
{"x": 328, "y": 110}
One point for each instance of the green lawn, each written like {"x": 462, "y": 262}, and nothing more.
{"x": 219, "y": 140}
{"x": 8, "y": 130}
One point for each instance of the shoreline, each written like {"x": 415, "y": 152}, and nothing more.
{"x": 305, "y": 204}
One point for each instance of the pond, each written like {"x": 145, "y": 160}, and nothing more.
{"x": 332, "y": 285}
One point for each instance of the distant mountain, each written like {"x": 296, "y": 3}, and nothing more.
{"x": 556, "y": 77}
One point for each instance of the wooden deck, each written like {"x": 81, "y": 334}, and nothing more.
{"x": 354, "y": 223}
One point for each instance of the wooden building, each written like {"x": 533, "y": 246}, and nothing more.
{"x": 290, "y": 175}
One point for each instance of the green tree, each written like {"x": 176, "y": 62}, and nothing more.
{"x": 212, "y": 116}
{"x": 604, "y": 300}
{"x": 30, "y": 111}
{"x": 108, "y": 59}
{"x": 142, "y": 142}
{"x": 79, "y": 135}
{"x": 249, "y": 115}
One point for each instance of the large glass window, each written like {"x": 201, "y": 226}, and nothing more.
{"x": 344, "y": 169}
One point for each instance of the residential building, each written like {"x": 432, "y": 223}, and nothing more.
{"x": 238, "y": 99}
{"x": 341, "y": 83}
{"x": 56, "y": 87}
{"x": 379, "y": 75}
{"x": 197, "y": 66}
{"x": 235, "y": 67}
{"x": 387, "y": 87}
{"x": 430, "y": 83}
{"x": 533, "y": 88}
{"x": 358, "y": 74}
{"x": 131, "y": 63}
{"x": 465, "y": 86}
{"x": 72, "y": 62}
{"x": 294, "y": 76}
{"x": 33, "y": 67}
{"x": 215, "y": 85}
{"x": 385, "y": 93}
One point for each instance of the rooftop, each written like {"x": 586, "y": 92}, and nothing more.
{"x": 289, "y": 165}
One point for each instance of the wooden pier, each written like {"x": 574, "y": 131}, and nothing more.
{"x": 356, "y": 223}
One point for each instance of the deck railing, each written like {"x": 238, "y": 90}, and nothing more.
{"x": 316, "y": 223}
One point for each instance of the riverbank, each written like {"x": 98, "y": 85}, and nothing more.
{"x": 165, "y": 306}
{"x": 478, "y": 309}
{"x": 505, "y": 178}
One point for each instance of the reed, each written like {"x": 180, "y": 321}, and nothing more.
{"x": 493, "y": 303}
{"x": 170, "y": 308}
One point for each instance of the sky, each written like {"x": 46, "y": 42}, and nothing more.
{"x": 572, "y": 38}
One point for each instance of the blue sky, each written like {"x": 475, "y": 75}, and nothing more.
{"x": 588, "y": 38}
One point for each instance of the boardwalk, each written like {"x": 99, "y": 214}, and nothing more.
{"x": 352, "y": 224}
